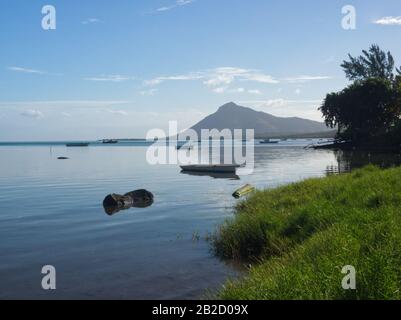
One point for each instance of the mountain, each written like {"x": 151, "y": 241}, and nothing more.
{"x": 232, "y": 116}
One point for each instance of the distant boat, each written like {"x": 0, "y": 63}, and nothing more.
{"x": 269, "y": 141}
{"x": 185, "y": 147}
{"x": 109, "y": 141}
{"x": 220, "y": 168}
{"x": 77, "y": 144}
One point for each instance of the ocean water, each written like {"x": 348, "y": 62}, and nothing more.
{"x": 51, "y": 213}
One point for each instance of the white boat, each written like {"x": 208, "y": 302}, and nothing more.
{"x": 221, "y": 168}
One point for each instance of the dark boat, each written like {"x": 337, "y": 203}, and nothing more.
{"x": 268, "y": 141}
{"x": 221, "y": 168}
{"x": 77, "y": 144}
{"x": 109, "y": 141}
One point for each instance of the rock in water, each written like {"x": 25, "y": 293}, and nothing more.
{"x": 114, "y": 203}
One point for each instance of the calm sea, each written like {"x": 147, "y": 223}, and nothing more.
{"x": 51, "y": 213}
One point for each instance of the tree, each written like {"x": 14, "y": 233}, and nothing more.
{"x": 374, "y": 63}
{"x": 364, "y": 109}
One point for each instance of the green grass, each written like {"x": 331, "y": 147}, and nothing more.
{"x": 299, "y": 237}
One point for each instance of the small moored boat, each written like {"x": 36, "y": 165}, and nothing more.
{"x": 184, "y": 147}
{"x": 269, "y": 141}
{"x": 221, "y": 168}
{"x": 109, "y": 141}
{"x": 77, "y": 144}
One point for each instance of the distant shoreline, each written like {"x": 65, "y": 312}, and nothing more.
{"x": 349, "y": 146}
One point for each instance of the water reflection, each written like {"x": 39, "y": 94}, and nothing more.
{"x": 350, "y": 160}
{"x": 215, "y": 175}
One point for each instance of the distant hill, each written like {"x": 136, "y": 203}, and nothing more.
{"x": 232, "y": 116}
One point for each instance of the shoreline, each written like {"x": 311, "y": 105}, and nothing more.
{"x": 347, "y": 146}
{"x": 300, "y": 236}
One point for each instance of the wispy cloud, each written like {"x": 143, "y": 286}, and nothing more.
{"x": 149, "y": 92}
{"x": 219, "y": 89}
{"x": 280, "y": 102}
{"x": 227, "y": 75}
{"x": 305, "y": 78}
{"x": 235, "y": 90}
{"x": 64, "y": 104}
{"x": 31, "y": 71}
{"x": 389, "y": 21}
{"x": 26, "y": 70}
{"x": 35, "y": 114}
{"x": 109, "y": 78}
{"x": 118, "y": 112}
{"x": 178, "y": 3}
{"x": 91, "y": 21}
{"x": 218, "y": 80}
{"x": 159, "y": 80}
{"x": 287, "y": 108}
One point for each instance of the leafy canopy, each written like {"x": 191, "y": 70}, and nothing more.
{"x": 374, "y": 63}
{"x": 363, "y": 109}
{"x": 371, "y": 105}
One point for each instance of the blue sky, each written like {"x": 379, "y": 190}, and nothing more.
{"x": 120, "y": 68}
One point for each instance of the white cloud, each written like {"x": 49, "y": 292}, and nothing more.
{"x": 306, "y": 78}
{"x": 36, "y": 114}
{"x": 273, "y": 103}
{"x": 161, "y": 9}
{"x": 287, "y": 108}
{"x": 90, "y": 21}
{"x": 389, "y": 21}
{"x": 226, "y": 75}
{"x": 118, "y": 112}
{"x": 109, "y": 78}
{"x": 26, "y": 70}
{"x": 219, "y": 90}
{"x": 298, "y": 91}
{"x": 67, "y": 104}
{"x": 159, "y": 80}
{"x": 259, "y": 77}
{"x": 254, "y": 91}
{"x": 149, "y": 92}
{"x": 218, "y": 78}
{"x": 178, "y": 3}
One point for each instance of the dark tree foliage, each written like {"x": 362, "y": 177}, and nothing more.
{"x": 368, "y": 110}
{"x": 374, "y": 63}
{"x": 364, "y": 109}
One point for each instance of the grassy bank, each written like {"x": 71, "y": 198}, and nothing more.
{"x": 299, "y": 237}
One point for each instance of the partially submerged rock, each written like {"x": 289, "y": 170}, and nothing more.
{"x": 114, "y": 203}
{"x": 62, "y": 158}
